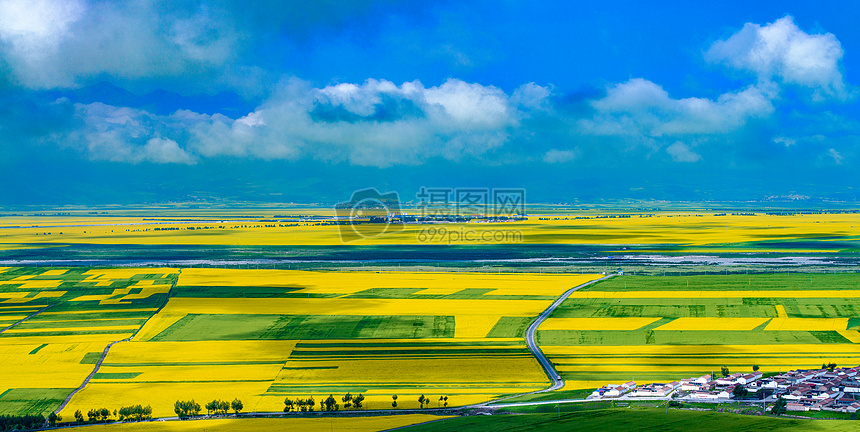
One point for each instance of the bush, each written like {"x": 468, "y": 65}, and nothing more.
{"x": 11, "y": 423}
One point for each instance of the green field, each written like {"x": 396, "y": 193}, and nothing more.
{"x": 631, "y": 419}
{"x": 650, "y": 353}
{"x": 279, "y": 327}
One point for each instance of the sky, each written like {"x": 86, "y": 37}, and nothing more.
{"x": 134, "y": 102}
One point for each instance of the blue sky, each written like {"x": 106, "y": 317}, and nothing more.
{"x": 142, "y": 101}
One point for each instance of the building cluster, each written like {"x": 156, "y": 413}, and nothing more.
{"x": 836, "y": 389}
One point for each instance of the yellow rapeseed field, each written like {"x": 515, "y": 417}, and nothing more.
{"x": 699, "y": 231}
{"x": 190, "y": 372}
{"x": 433, "y": 369}
{"x": 33, "y": 284}
{"x": 55, "y": 365}
{"x": 629, "y": 323}
{"x": 161, "y": 396}
{"x": 203, "y": 352}
{"x": 341, "y": 424}
{"x": 807, "y": 324}
{"x": 27, "y": 297}
{"x": 356, "y": 281}
{"x": 55, "y": 272}
{"x": 353, "y": 306}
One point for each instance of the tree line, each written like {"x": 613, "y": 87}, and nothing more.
{"x": 190, "y": 408}
{"x": 350, "y": 401}
{"x": 13, "y": 422}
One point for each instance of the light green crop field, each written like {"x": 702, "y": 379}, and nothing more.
{"x": 620, "y": 419}
{"x": 696, "y": 324}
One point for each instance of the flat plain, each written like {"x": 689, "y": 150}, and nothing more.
{"x": 694, "y": 325}
{"x": 266, "y": 335}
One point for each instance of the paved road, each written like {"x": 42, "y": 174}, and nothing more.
{"x": 553, "y": 375}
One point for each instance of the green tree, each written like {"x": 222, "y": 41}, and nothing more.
{"x": 211, "y": 406}
{"x": 358, "y": 400}
{"x": 223, "y": 407}
{"x": 236, "y": 405}
{"x": 79, "y": 417}
{"x": 93, "y": 415}
{"x": 739, "y": 392}
{"x": 331, "y": 403}
{"x": 53, "y": 418}
{"x": 779, "y": 406}
{"x": 755, "y": 368}
{"x": 185, "y": 409}
{"x": 104, "y": 413}
{"x": 421, "y": 400}
{"x": 347, "y": 400}
{"x": 725, "y": 371}
{"x": 445, "y": 403}
{"x": 311, "y": 403}
{"x": 288, "y": 405}
{"x": 394, "y": 401}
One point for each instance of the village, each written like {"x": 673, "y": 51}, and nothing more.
{"x": 828, "y": 389}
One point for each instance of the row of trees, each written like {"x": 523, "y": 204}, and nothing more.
{"x": 327, "y": 404}
{"x": 190, "y": 408}
{"x": 424, "y": 402}
{"x": 13, "y": 423}
{"x": 349, "y": 402}
{"x": 133, "y": 412}
{"x": 221, "y": 407}
{"x": 303, "y": 405}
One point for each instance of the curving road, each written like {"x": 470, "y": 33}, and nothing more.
{"x": 553, "y": 375}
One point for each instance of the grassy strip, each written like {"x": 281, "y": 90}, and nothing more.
{"x": 622, "y": 420}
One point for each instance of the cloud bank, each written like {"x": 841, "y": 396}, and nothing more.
{"x": 782, "y": 52}
{"x": 376, "y": 123}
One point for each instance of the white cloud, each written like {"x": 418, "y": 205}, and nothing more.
{"x": 161, "y": 150}
{"x": 837, "y": 158}
{"x": 376, "y": 123}
{"x": 469, "y": 105}
{"x": 788, "y": 142}
{"x": 125, "y": 135}
{"x": 60, "y": 43}
{"x": 780, "y": 50}
{"x": 640, "y": 107}
{"x": 32, "y": 25}
{"x": 559, "y": 156}
{"x": 681, "y": 152}
{"x": 532, "y": 96}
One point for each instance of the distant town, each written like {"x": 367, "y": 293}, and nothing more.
{"x": 829, "y": 389}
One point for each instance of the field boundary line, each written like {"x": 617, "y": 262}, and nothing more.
{"x": 25, "y": 319}
{"x": 107, "y": 349}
